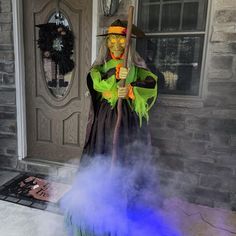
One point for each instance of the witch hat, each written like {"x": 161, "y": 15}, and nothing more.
{"x": 119, "y": 27}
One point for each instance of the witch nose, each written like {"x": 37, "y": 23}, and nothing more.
{"x": 116, "y": 45}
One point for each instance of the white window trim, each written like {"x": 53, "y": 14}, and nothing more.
{"x": 188, "y": 100}
{"x": 17, "y": 12}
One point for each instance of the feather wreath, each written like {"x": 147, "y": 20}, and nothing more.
{"x": 56, "y": 42}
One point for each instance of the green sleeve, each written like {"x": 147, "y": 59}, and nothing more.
{"x": 101, "y": 86}
{"x": 144, "y": 97}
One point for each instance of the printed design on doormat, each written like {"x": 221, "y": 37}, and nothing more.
{"x": 33, "y": 190}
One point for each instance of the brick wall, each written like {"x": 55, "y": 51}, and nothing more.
{"x": 197, "y": 146}
{"x": 7, "y": 88}
{"x": 195, "y": 142}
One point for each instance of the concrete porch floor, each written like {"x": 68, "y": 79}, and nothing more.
{"x": 190, "y": 219}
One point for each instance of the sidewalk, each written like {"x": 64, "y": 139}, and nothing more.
{"x": 190, "y": 219}
{"x": 17, "y": 220}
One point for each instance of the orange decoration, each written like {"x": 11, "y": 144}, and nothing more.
{"x": 117, "y": 30}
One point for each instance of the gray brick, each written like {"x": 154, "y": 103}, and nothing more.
{"x": 223, "y": 113}
{"x": 158, "y": 132}
{"x": 198, "y": 199}
{"x": 8, "y": 79}
{"x": 178, "y": 117}
{"x": 6, "y": 27}
{"x": 8, "y": 161}
{"x": 233, "y": 47}
{"x": 222, "y": 62}
{"x": 228, "y": 88}
{"x": 233, "y": 196}
{"x": 191, "y": 179}
{"x": 220, "y": 74}
{"x": 219, "y": 150}
{"x": 8, "y": 141}
{"x": 229, "y": 28}
{"x": 226, "y": 16}
{"x": 4, "y": 108}
{"x": 222, "y": 205}
{"x": 192, "y": 148}
{"x": 6, "y": 56}
{"x": 223, "y": 37}
{"x": 6, "y": 47}
{"x": 230, "y": 126}
{"x": 6, "y": 37}
{"x": 228, "y": 3}
{"x": 222, "y": 159}
{"x": 203, "y": 136}
{"x": 5, "y": 6}
{"x": 166, "y": 174}
{"x": 215, "y": 182}
{"x": 7, "y": 97}
{"x": 224, "y": 47}
{"x": 7, "y": 115}
{"x": 175, "y": 125}
{"x": 221, "y": 101}
{"x": 171, "y": 162}
{"x": 166, "y": 146}
{"x": 220, "y": 140}
{"x": 184, "y": 135}
{"x": 233, "y": 206}
{"x": 200, "y": 167}
{"x": 233, "y": 140}
{"x": 225, "y": 126}
{"x": 213, "y": 194}
{"x": 5, "y": 17}
{"x": 7, "y": 67}
{"x": 8, "y": 126}
{"x": 11, "y": 151}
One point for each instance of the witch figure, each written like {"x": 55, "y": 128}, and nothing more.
{"x": 138, "y": 96}
{"x": 117, "y": 204}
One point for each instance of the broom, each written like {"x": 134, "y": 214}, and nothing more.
{"x": 122, "y": 84}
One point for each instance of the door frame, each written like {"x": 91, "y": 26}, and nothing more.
{"x": 17, "y": 12}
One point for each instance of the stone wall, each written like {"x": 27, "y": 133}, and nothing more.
{"x": 7, "y": 89}
{"x": 197, "y": 145}
{"x": 195, "y": 140}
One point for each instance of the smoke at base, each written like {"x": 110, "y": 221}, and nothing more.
{"x": 123, "y": 202}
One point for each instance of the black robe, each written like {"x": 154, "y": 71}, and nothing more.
{"x": 102, "y": 121}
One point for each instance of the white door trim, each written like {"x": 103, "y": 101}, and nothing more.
{"x": 94, "y": 30}
{"x": 17, "y": 12}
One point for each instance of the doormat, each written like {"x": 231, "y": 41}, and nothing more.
{"x": 34, "y": 191}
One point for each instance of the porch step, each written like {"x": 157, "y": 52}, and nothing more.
{"x": 63, "y": 171}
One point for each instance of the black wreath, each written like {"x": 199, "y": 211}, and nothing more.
{"x": 56, "y": 42}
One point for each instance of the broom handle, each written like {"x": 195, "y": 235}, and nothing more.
{"x": 122, "y": 84}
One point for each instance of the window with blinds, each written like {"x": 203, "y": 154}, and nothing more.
{"x": 173, "y": 48}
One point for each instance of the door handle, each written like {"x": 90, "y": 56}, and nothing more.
{"x": 87, "y": 94}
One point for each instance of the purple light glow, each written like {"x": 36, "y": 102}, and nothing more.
{"x": 121, "y": 204}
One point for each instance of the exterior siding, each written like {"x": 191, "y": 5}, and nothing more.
{"x": 8, "y": 142}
